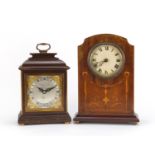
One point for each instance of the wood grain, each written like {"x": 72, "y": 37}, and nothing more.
{"x": 99, "y": 97}
{"x": 43, "y": 64}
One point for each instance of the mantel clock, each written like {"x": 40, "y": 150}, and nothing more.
{"x": 44, "y": 88}
{"x": 106, "y": 80}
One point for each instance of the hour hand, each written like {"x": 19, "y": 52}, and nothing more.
{"x": 103, "y": 61}
{"x": 41, "y": 90}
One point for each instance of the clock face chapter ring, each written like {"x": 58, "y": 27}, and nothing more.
{"x": 106, "y": 60}
{"x": 45, "y": 92}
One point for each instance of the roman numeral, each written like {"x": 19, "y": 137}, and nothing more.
{"x": 100, "y": 70}
{"x": 106, "y": 47}
{"x": 116, "y": 66}
{"x": 116, "y": 54}
{"x": 95, "y": 65}
{"x": 112, "y": 70}
{"x": 118, "y": 60}
{"x": 44, "y": 78}
{"x": 106, "y": 73}
{"x": 112, "y": 50}
{"x": 93, "y": 59}
{"x": 100, "y": 49}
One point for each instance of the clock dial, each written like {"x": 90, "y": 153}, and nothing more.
{"x": 106, "y": 60}
{"x": 45, "y": 93}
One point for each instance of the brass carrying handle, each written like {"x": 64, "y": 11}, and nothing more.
{"x": 43, "y": 50}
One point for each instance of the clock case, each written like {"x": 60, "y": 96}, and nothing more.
{"x": 38, "y": 64}
{"x": 96, "y": 95}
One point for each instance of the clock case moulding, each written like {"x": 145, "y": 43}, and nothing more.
{"x": 88, "y": 82}
{"x": 43, "y": 63}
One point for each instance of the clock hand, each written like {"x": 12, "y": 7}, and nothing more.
{"x": 103, "y": 61}
{"x": 42, "y": 90}
{"x": 49, "y": 89}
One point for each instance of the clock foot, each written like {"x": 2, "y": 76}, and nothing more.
{"x": 67, "y": 122}
{"x": 76, "y": 122}
{"x": 29, "y": 119}
{"x": 21, "y": 124}
{"x": 129, "y": 119}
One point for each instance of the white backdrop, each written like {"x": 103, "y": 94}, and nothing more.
{"x": 65, "y": 24}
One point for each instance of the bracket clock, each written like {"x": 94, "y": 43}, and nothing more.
{"x": 44, "y": 88}
{"x": 106, "y": 80}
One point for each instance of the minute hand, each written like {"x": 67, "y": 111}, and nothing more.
{"x": 49, "y": 89}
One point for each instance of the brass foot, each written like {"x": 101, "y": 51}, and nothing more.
{"x": 67, "y": 122}
{"x": 76, "y": 122}
{"x": 21, "y": 124}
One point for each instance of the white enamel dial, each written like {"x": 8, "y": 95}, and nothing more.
{"x": 106, "y": 60}
{"x": 44, "y": 92}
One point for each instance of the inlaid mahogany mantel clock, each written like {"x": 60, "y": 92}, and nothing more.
{"x": 106, "y": 80}
{"x": 44, "y": 88}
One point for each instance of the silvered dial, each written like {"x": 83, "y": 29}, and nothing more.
{"x": 44, "y": 92}
{"x": 106, "y": 60}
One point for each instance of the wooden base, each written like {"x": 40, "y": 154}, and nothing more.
{"x": 25, "y": 119}
{"x": 106, "y": 119}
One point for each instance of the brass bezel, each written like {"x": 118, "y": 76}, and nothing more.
{"x": 94, "y": 71}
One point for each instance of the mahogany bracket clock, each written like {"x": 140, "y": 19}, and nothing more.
{"x": 44, "y": 88}
{"x": 106, "y": 80}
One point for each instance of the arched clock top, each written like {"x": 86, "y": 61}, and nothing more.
{"x": 100, "y": 38}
